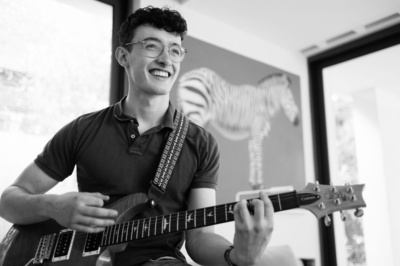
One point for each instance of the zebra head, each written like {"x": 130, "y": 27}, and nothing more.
{"x": 279, "y": 96}
{"x": 194, "y": 97}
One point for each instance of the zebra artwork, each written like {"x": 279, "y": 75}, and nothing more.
{"x": 237, "y": 111}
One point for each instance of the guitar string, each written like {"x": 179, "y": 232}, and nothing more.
{"x": 284, "y": 198}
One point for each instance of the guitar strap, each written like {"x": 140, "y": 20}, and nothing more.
{"x": 168, "y": 160}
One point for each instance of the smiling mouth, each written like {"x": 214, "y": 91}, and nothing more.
{"x": 160, "y": 73}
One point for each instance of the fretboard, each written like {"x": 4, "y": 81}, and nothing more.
{"x": 185, "y": 220}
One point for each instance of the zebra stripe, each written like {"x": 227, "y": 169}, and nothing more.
{"x": 237, "y": 111}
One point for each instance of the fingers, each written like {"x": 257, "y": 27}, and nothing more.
{"x": 98, "y": 212}
{"x": 84, "y": 212}
{"x": 268, "y": 206}
{"x": 261, "y": 209}
{"x": 96, "y": 199}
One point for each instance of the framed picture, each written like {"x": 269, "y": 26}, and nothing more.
{"x": 252, "y": 109}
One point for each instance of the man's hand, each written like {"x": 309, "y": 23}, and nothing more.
{"x": 252, "y": 232}
{"x": 83, "y": 211}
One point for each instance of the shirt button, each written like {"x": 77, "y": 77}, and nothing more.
{"x": 133, "y": 136}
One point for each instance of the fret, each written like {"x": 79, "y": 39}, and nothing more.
{"x": 204, "y": 216}
{"x": 126, "y": 230}
{"x": 169, "y": 229}
{"x": 110, "y": 234}
{"x": 118, "y": 232}
{"x": 186, "y": 215}
{"x": 162, "y": 225}
{"x": 226, "y": 212}
{"x": 215, "y": 214}
{"x": 133, "y": 229}
{"x": 137, "y": 230}
{"x": 177, "y": 222}
{"x": 195, "y": 219}
{"x": 155, "y": 226}
{"x": 148, "y": 235}
{"x": 104, "y": 240}
{"x": 279, "y": 201}
{"x": 143, "y": 227}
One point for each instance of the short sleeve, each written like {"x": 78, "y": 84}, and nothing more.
{"x": 207, "y": 172}
{"x": 58, "y": 156}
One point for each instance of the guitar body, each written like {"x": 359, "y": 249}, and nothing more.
{"x": 19, "y": 246}
{"x": 23, "y": 241}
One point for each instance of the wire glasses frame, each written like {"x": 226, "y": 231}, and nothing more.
{"x": 154, "y": 49}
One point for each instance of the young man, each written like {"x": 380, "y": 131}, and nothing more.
{"x": 117, "y": 151}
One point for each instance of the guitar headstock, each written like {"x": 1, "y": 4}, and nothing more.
{"x": 322, "y": 200}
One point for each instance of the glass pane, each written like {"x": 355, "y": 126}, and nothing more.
{"x": 362, "y": 109}
{"x": 55, "y": 64}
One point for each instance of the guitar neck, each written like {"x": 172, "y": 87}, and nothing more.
{"x": 182, "y": 221}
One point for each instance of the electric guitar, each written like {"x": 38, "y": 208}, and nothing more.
{"x": 49, "y": 244}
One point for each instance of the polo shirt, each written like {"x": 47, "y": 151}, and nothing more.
{"x": 112, "y": 158}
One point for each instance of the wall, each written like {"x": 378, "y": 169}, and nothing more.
{"x": 220, "y": 34}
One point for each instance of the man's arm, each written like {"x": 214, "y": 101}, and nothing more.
{"x": 24, "y": 202}
{"x": 252, "y": 232}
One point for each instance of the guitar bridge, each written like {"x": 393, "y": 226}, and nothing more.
{"x": 64, "y": 245}
{"x": 45, "y": 247}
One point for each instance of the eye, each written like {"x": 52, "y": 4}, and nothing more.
{"x": 152, "y": 45}
{"x": 176, "y": 50}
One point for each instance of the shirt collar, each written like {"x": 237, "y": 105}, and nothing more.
{"x": 168, "y": 118}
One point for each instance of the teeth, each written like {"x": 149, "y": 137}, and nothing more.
{"x": 160, "y": 73}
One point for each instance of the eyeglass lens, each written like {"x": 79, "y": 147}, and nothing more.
{"x": 154, "y": 48}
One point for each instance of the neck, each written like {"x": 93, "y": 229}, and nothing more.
{"x": 148, "y": 111}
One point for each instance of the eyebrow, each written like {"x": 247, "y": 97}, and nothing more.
{"x": 157, "y": 39}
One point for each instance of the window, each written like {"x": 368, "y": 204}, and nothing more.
{"x": 355, "y": 95}
{"x": 56, "y": 64}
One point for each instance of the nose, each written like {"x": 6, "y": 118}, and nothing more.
{"x": 164, "y": 58}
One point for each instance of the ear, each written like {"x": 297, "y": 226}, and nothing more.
{"x": 121, "y": 54}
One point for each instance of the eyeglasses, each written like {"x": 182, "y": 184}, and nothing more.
{"x": 154, "y": 48}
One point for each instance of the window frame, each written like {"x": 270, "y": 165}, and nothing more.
{"x": 121, "y": 10}
{"x": 371, "y": 43}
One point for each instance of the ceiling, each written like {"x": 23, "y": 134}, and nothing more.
{"x": 307, "y": 26}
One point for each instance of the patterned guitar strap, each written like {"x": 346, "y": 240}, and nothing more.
{"x": 168, "y": 160}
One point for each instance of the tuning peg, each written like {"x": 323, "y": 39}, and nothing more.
{"x": 350, "y": 190}
{"x": 327, "y": 220}
{"x": 353, "y": 198}
{"x": 337, "y": 202}
{"x": 321, "y": 205}
{"x": 359, "y": 213}
{"x": 342, "y": 216}
{"x": 316, "y": 188}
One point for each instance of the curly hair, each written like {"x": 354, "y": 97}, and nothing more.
{"x": 160, "y": 18}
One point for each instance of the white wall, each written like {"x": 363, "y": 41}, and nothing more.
{"x": 287, "y": 228}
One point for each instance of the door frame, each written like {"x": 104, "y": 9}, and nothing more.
{"x": 365, "y": 45}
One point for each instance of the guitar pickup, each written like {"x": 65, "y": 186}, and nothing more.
{"x": 92, "y": 244}
{"x": 64, "y": 245}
